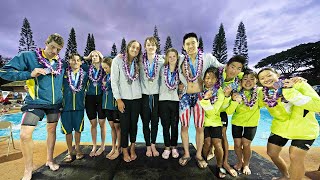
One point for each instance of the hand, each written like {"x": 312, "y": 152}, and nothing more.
{"x": 227, "y": 91}
{"x": 298, "y": 79}
{"x": 236, "y": 97}
{"x": 208, "y": 94}
{"x": 37, "y": 72}
{"x": 121, "y": 105}
{"x": 288, "y": 83}
{"x": 26, "y": 88}
{"x": 104, "y": 83}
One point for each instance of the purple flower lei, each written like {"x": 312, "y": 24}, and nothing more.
{"x": 166, "y": 77}
{"x": 199, "y": 66}
{"x": 253, "y": 97}
{"x": 270, "y": 100}
{"x": 105, "y": 88}
{"x": 145, "y": 66}
{"x": 75, "y": 89}
{"x": 46, "y": 63}
{"x": 127, "y": 69}
{"x": 91, "y": 77}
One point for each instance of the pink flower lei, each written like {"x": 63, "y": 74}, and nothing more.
{"x": 199, "y": 66}
{"x": 166, "y": 77}
{"x": 107, "y": 80}
{"x": 91, "y": 77}
{"x": 271, "y": 101}
{"x": 253, "y": 100}
{"x": 81, "y": 77}
{"x": 127, "y": 69}
{"x": 46, "y": 63}
{"x": 145, "y": 66}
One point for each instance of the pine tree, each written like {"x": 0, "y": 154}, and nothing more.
{"x": 155, "y": 34}
{"x": 114, "y": 50}
{"x": 93, "y": 44}
{"x": 72, "y": 44}
{"x": 219, "y": 48}
{"x": 168, "y": 44}
{"x": 26, "y": 42}
{"x": 240, "y": 44}
{"x": 123, "y": 46}
{"x": 200, "y": 44}
{"x": 183, "y": 51}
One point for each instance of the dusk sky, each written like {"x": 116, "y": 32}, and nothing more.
{"x": 271, "y": 26}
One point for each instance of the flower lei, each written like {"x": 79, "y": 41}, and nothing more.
{"x": 234, "y": 85}
{"x": 73, "y": 88}
{"x": 253, "y": 97}
{"x": 127, "y": 69}
{"x": 46, "y": 63}
{"x": 199, "y": 66}
{"x": 107, "y": 80}
{"x": 91, "y": 77}
{"x": 270, "y": 100}
{"x": 166, "y": 77}
{"x": 145, "y": 66}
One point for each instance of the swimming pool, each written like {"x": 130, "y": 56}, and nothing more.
{"x": 260, "y": 139}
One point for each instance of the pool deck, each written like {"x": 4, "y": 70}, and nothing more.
{"x": 11, "y": 167}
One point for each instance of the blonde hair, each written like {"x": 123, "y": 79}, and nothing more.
{"x": 166, "y": 60}
{"x": 57, "y": 38}
{"x": 90, "y": 55}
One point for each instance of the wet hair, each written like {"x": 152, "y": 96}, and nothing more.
{"x": 250, "y": 71}
{"x": 213, "y": 70}
{"x": 166, "y": 60}
{"x": 57, "y": 38}
{"x": 238, "y": 58}
{"x": 267, "y": 69}
{"x": 190, "y": 35}
{"x": 153, "y": 40}
{"x": 108, "y": 61}
{"x": 129, "y": 45}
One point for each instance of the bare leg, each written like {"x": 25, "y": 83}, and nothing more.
{"x": 114, "y": 136}
{"x": 102, "y": 123}
{"x": 238, "y": 151}
{"x": 51, "y": 141}
{"x": 133, "y": 155}
{"x": 93, "y": 123}
{"x": 185, "y": 143}
{"x": 26, "y": 144}
{"x": 225, "y": 146}
{"x": 69, "y": 142}
{"x": 297, "y": 157}
{"x": 246, "y": 156}
{"x": 206, "y": 147}
{"x": 274, "y": 153}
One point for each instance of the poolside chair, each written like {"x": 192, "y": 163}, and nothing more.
{"x": 6, "y": 125}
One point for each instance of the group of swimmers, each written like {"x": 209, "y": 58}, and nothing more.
{"x": 171, "y": 87}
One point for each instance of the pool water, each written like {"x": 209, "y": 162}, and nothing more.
{"x": 260, "y": 139}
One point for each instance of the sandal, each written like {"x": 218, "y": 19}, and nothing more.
{"x": 221, "y": 172}
{"x": 166, "y": 154}
{"x": 67, "y": 158}
{"x": 183, "y": 161}
{"x": 79, "y": 155}
{"x": 175, "y": 153}
{"x": 202, "y": 164}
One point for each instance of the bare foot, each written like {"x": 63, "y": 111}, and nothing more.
{"x": 93, "y": 151}
{"x": 246, "y": 170}
{"x": 114, "y": 155}
{"x": 238, "y": 166}
{"x": 126, "y": 156}
{"x": 230, "y": 170}
{"x": 210, "y": 156}
{"x": 133, "y": 155}
{"x": 149, "y": 152}
{"x": 53, "y": 166}
{"x": 280, "y": 178}
{"x": 100, "y": 151}
{"x": 154, "y": 150}
{"x": 110, "y": 154}
{"x": 27, "y": 174}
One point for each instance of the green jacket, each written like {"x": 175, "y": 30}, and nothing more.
{"x": 242, "y": 114}
{"x": 289, "y": 119}
{"x": 212, "y": 111}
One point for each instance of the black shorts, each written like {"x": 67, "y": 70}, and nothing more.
{"x": 299, "y": 143}
{"x": 213, "y": 132}
{"x": 93, "y": 106}
{"x": 112, "y": 115}
{"x": 34, "y": 113}
{"x": 246, "y": 132}
{"x": 224, "y": 119}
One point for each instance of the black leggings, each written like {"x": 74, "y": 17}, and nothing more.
{"x": 149, "y": 112}
{"x": 169, "y": 114}
{"x": 129, "y": 121}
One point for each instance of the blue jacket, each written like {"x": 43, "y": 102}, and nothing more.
{"x": 108, "y": 101}
{"x": 44, "y": 89}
